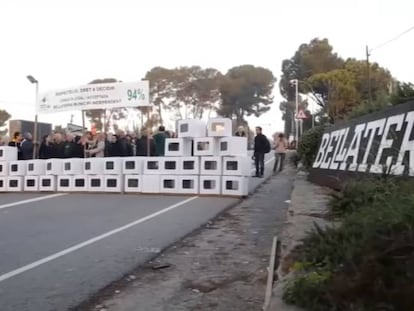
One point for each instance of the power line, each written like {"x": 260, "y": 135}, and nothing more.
{"x": 393, "y": 39}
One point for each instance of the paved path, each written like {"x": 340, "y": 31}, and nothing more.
{"x": 57, "y": 250}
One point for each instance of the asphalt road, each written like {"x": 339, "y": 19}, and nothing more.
{"x": 57, "y": 250}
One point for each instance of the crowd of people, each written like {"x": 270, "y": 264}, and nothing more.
{"x": 120, "y": 144}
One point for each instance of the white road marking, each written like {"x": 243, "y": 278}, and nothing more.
{"x": 91, "y": 241}
{"x": 51, "y": 196}
{"x": 287, "y": 201}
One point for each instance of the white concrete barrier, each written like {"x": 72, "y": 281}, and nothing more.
{"x": 153, "y": 165}
{"x": 172, "y": 166}
{"x": 65, "y": 183}
{"x": 3, "y": 184}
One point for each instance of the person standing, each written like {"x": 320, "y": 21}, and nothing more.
{"x": 15, "y": 142}
{"x": 240, "y": 132}
{"x": 159, "y": 141}
{"x": 280, "y": 152}
{"x": 99, "y": 151}
{"x": 26, "y": 147}
{"x": 143, "y": 143}
{"x": 261, "y": 147}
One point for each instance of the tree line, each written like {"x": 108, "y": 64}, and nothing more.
{"x": 341, "y": 88}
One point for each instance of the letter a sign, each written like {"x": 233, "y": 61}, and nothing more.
{"x": 301, "y": 115}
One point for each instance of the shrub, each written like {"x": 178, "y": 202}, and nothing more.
{"x": 309, "y": 144}
{"x": 366, "y": 263}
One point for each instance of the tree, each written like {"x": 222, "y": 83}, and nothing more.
{"x": 4, "y": 117}
{"x": 101, "y": 117}
{"x": 403, "y": 93}
{"x": 310, "y": 59}
{"x": 246, "y": 90}
{"x": 341, "y": 94}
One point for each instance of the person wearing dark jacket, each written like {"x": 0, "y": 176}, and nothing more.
{"x": 124, "y": 147}
{"x": 142, "y": 145}
{"x": 159, "y": 141}
{"x": 15, "y": 142}
{"x": 58, "y": 147}
{"x": 261, "y": 147}
{"x": 26, "y": 147}
{"x": 45, "y": 150}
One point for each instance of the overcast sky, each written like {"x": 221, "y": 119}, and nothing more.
{"x": 67, "y": 43}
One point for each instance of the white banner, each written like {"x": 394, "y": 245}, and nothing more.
{"x": 95, "y": 96}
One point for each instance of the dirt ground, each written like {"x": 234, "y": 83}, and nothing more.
{"x": 221, "y": 267}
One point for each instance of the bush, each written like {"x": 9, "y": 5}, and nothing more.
{"x": 309, "y": 144}
{"x": 366, "y": 263}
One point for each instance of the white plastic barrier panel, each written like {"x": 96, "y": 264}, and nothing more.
{"x": 169, "y": 184}
{"x": 188, "y": 184}
{"x": 206, "y": 146}
{"x": 15, "y": 183}
{"x": 191, "y": 128}
{"x": 132, "y": 166}
{"x": 151, "y": 183}
{"x": 93, "y": 166}
{"x": 80, "y": 183}
{"x": 54, "y": 167}
{"x": 65, "y": 183}
{"x": 47, "y": 183}
{"x": 178, "y": 147}
{"x": 8, "y": 153}
{"x": 236, "y": 166}
{"x": 211, "y": 166}
{"x": 219, "y": 127}
{"x": 172, "y": 166}
{"x": 31, "y": 183}
{"x": 235, "y": 186}
{"x": 113, "y": 166}
{"x": 36, "y": 167}
{"x": 73, "y": 166}
{"x": 17, "y": 168}
{"x": 210, "y": 185}
{"x": 4, "y": 169}
{"x": 96, "y": 183}
{"x": 3, "y": 184}
{"x": 133, "y": 184}
{"x": 233, "y": 146}
{"x": 153, "y": 165}
{"x": 190, "y": 166}
{"x": 114, "y": 183}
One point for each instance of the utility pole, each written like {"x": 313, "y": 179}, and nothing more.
{"x": 368, "y": 74}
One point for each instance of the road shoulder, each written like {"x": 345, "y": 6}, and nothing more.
{"x": 221, "y": 267}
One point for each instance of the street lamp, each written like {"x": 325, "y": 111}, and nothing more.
{"x": 295, "y": 82}
{"x": 34, "y": 81}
